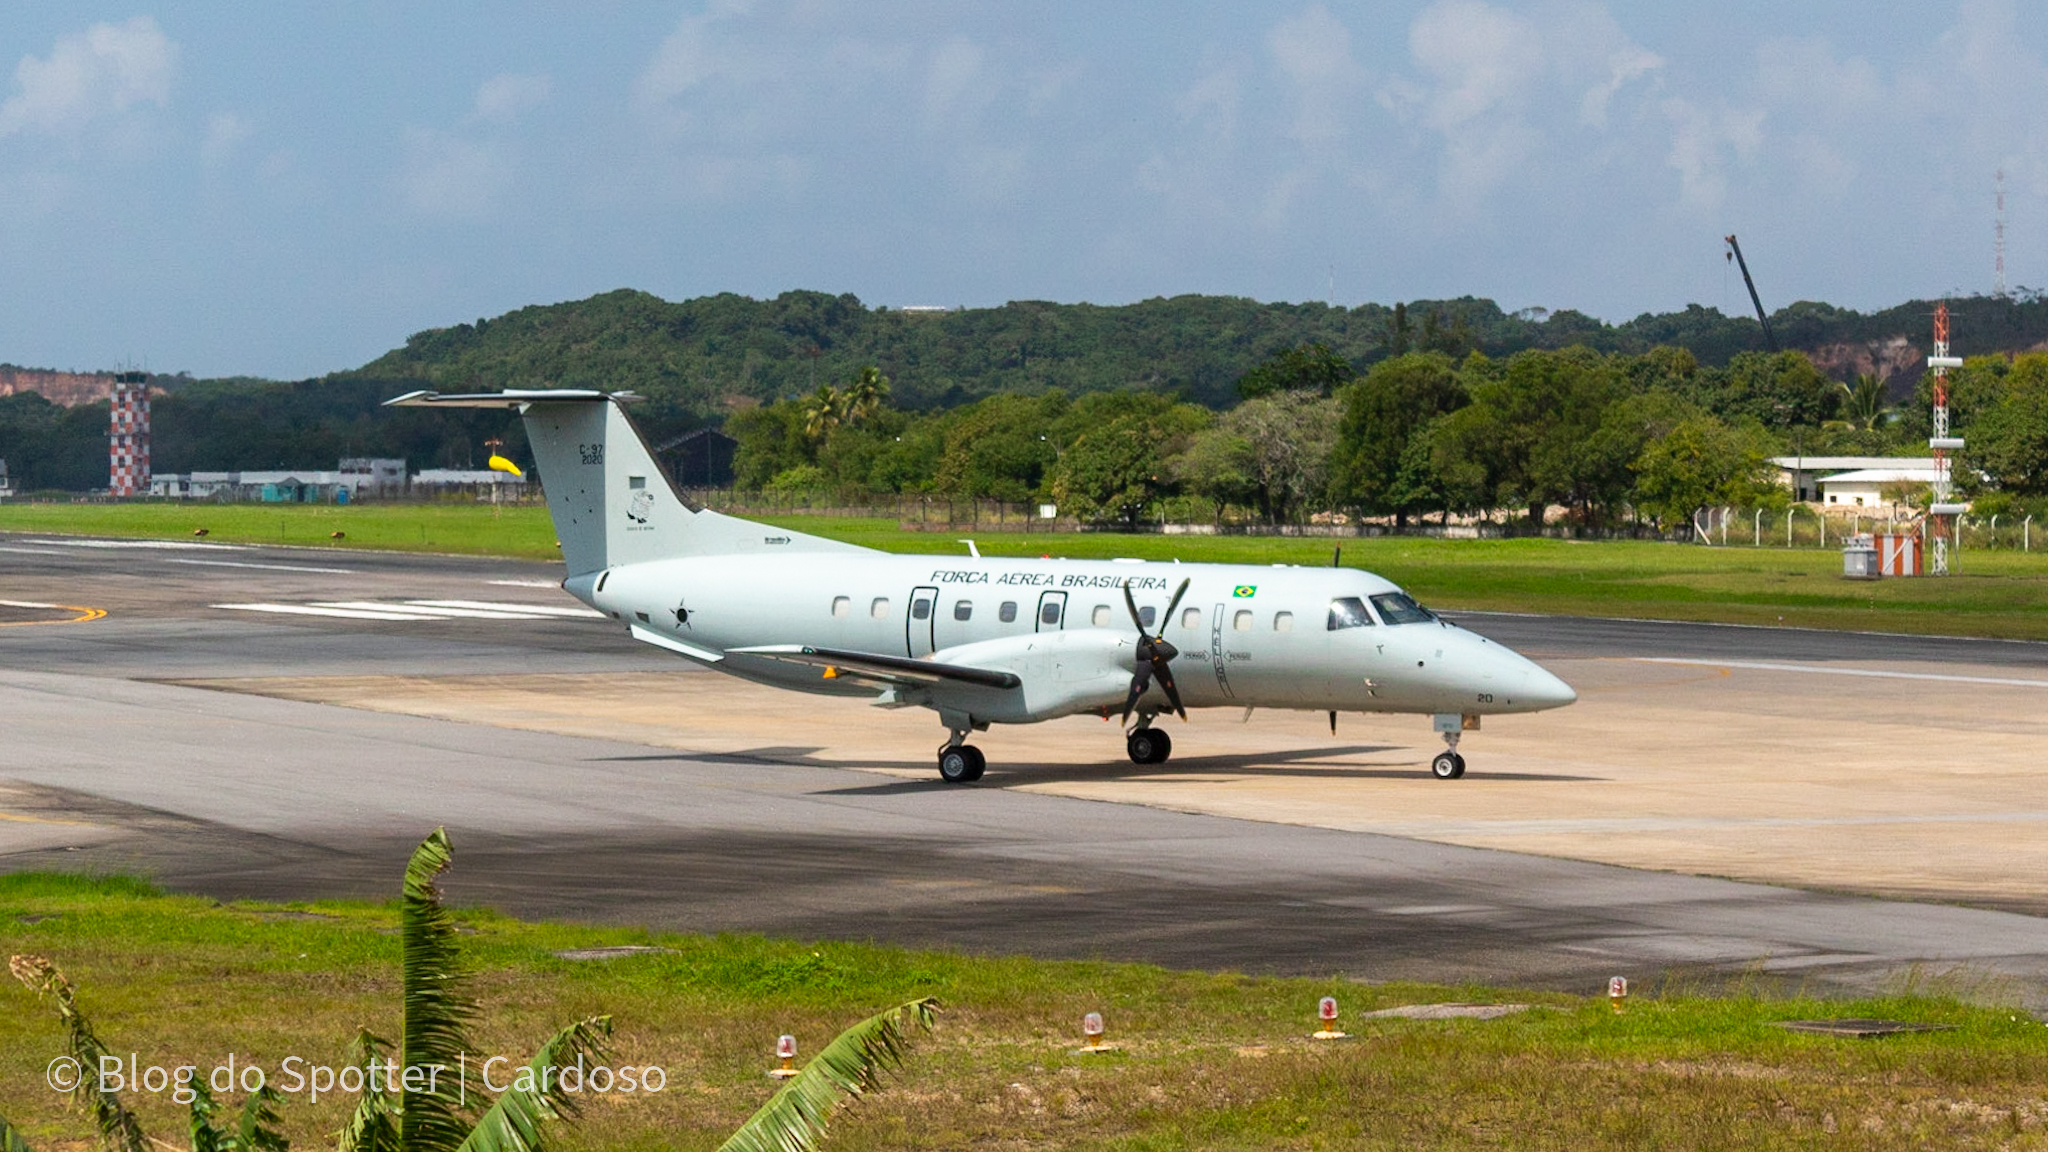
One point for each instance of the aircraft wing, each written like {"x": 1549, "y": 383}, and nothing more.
{"x": 902, "y": 670}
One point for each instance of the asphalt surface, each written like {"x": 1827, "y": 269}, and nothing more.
{"x": 104, "y": 762}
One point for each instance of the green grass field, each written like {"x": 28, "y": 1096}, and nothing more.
{"x": 1217, "y": 1061}
{"x": 1997, "y": 593}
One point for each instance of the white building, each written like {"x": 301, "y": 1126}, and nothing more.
{"x": 1804, "y": 474}
{"x": 1864, "y": 487}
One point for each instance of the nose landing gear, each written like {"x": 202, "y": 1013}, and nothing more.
{"x": 1448, "y": 765}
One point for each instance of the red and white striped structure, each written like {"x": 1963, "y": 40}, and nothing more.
{"x": 1941, "y": 512}
{"x": 128, "y": 436}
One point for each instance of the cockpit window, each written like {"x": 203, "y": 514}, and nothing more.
{"x": 1349, "y": 612}
{"x": 1398, "y": 608}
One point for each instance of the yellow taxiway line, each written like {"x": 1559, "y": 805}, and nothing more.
{"x": 84, "y": 614}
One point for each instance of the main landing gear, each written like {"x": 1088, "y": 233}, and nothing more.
{"x": 1148, "y": 745}
{"x": 961, "y": 764}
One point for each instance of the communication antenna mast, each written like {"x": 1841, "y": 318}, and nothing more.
{"x": 1998, "y": 242}
{"x": 1941, "y": 512}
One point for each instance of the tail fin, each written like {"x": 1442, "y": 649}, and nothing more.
{"x": 611, "y": 500}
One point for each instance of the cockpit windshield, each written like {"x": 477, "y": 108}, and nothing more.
{"x": 1348, "y": 612}
{"x": 1398, "y": 608}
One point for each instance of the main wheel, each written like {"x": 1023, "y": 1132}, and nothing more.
{"x": 961, "y": 764}
{"x": 1149, "y": 746}
{"x": 1460, "y": 758}
{"x": 1447, "y": 766}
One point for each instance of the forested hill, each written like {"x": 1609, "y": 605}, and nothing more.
{"x": 698, "y": 355}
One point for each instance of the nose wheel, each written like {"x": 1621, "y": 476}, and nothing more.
{"x": 1448, "y": 765}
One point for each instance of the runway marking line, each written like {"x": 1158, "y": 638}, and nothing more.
{"x": 84, "y": 614}
{"x": 1819, "y": 670}
{"x": 418, "y": 610}
{"x": 340, "y": 613}
{"x": 267, "y": 567}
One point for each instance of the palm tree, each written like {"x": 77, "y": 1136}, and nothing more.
{"x": 437, "y": 1011}
{"x": 866, "y": 395}
{"x": 1863, "y": 403}
{"x": 824, "y": 411}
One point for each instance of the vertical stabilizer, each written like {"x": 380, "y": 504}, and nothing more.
{"x": 612, "y": 502}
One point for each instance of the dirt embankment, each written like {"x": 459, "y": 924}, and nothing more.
{"x": 66, "y": 388}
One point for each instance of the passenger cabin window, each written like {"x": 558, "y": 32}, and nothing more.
{"x": 1191, "y": 618}
{"x": 842, "y": 606}
{"x": 1242, "y": 622}
{"x": 1349, "y": 612}
{"x": 921, "y": 608}
{"x": 1100, "y": 617}
{"x": 1146, "y": 616}
{"x": 963, "y": 609}
{"x": 1008, "y": 612}
{"x": 880, "y": 608}
{"x": 1050, "y": 614}
{"x": 1283, "y": 621}
{"x": 1398, "y": 608}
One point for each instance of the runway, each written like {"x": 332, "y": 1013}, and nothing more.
{"x": 113, "y": 760}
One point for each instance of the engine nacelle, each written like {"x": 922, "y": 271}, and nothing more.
{"x": 1064, "y": 673}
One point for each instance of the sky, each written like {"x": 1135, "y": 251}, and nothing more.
{"x": 284, "y": 190}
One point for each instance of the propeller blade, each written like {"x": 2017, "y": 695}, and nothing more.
{"x": 1172, "y": 693}
{"x": 1140, "y": 680}
{"x": 1177, "y": 594}
{"x": 1131, "y": 602}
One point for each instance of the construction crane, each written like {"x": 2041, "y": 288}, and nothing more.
{"x": 1735, "y": 253}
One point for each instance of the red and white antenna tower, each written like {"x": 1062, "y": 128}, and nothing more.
{"x": 1998, "y": 242}
{"x": 1941, "y": 511}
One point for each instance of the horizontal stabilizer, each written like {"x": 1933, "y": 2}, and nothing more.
{"x": 510, "y": 398}
{"x": 885, "y": 669}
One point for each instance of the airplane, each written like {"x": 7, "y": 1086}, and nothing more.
{"x": 987, "y": 640}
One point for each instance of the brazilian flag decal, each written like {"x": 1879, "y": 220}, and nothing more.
{"x": 1244, "y": 590}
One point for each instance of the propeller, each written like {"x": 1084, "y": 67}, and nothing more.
{"x": 1153, "y": 653}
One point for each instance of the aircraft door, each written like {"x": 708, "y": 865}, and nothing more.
{"x": 1052, "y": 612}
{"x": 924, "y": 607}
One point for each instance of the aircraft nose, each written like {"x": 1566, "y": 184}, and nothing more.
{"x": 1540, "y": 689}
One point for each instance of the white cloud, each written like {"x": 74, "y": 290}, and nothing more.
{"x": 953, "y": 81}
{"x": 1703, "y": 143}
{"x": 224, "y": 132}
{"x": 505, "y": 97}
{"x": 689, "y": 57}
{"x": 103, "y": 71}
{"x": 1313, "y": 50}
{"x": 1515, "y": 95}
{"x": 450, "y": 177}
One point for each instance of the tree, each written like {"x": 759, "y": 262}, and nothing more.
{"x": 1777, "y": 390}
{"x": 2009, "y": 441}
{"x": 1115, "y": 467}
{"x": 1533, "y": 428}
{"x": 1383, "y": 411}
{"x": 1310, "y": 367}
{"x": 1703, "y": 462}
{"x": 1862, "y": 403}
